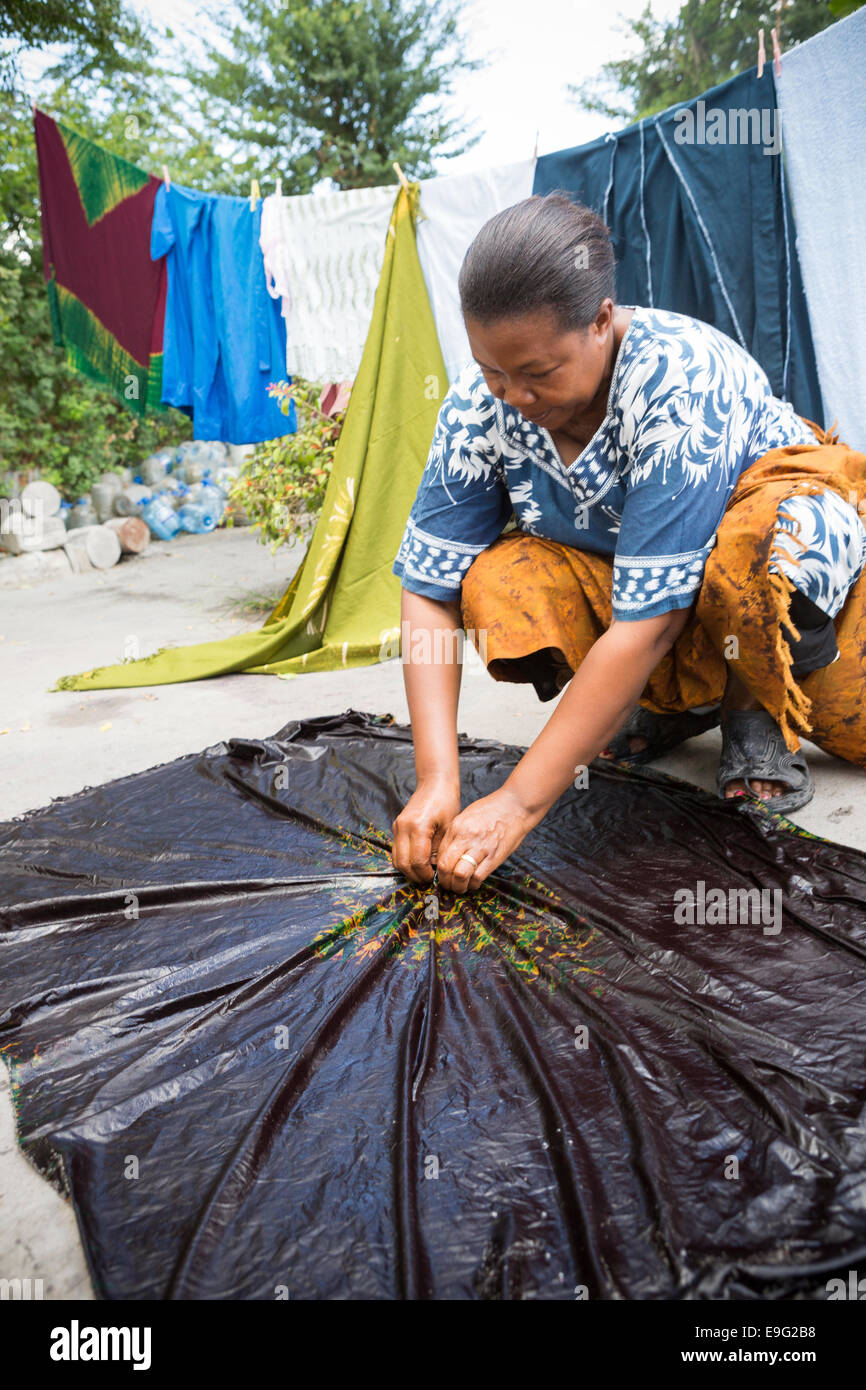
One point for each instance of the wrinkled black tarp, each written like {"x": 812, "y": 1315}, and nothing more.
{"x": 327, "y": 1094}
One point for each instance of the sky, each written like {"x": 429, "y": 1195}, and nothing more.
{"x": 532, "y": 48}
{"x": 536, "y": 48}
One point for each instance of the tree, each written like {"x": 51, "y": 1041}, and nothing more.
{"x": 86, "y": 32}
{"x": 708, "y": 42}
{"x": 339, "y": 89}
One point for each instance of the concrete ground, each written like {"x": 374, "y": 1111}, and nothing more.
{"x": 53, "y": 744}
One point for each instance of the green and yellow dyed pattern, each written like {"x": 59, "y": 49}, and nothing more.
{"x": 93, "y": 351}
{"x": 103, "y": 179}
{"x": 529, "y": 927}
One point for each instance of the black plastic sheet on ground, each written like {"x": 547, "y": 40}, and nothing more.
{"x": 261, "y": 1066}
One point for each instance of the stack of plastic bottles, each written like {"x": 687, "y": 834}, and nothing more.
{"x": 183, "y": 489}
{"x": 188, "y": 488}
{"x": 201, "y": 502}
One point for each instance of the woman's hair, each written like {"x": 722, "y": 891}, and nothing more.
{"x": 546, "y": 252}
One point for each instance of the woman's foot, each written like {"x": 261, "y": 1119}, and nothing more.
{"x": 636, "y": 744}
{"x": 672, "y": 730}
{"x": 646, "y": 736}
{"x": 738, "y": 698}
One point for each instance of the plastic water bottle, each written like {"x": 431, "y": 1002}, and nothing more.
{"x": 194, "y": 470}
{"x": 161, "y": 518}
{"x": 82, "y": 514}
{"x": 197, "y": 519}
{"x": 130, "y": 500}
{"x": 172, "y": 487}
{"x": 194, "y": 449}
{"x": 103, "y": 495}
{"x": 153, "y": 471}
{"x": 208, "y": 495}
{"x": 206, "y": 492}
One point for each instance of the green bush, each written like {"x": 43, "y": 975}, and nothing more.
{"x": 283, "y": 482}
{"x": 53, "y": 421}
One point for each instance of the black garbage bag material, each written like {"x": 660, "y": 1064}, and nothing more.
{"x": 262, "y": 1066}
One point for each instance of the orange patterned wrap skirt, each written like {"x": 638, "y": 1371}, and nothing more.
{"x": 524, "y": 595}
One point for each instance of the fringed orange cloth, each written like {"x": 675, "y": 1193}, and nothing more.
{"x": 525, "y": 595}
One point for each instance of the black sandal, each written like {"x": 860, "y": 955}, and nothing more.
{"x": 662, "y": 732}
{"x": 753, "y": 748}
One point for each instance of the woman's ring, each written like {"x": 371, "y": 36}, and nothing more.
{"x": 469, "y": 857}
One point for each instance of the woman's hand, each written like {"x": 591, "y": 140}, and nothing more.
{"x": 490, "y": 829}
{"x": 421, "y": 825}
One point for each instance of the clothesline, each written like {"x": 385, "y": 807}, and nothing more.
{"x": 255, "y": 188}
{"x": 300, "y": 299}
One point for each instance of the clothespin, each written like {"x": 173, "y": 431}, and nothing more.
{"x": 535, "y": 151}
{"x": 777, "y": 52}
{"x": 255, "y": 194}
{"x": 401, "y": 176}
{"x": 279, "y": 188}
{"x": 762, "y": 56}
{"x": 165, "y": 178}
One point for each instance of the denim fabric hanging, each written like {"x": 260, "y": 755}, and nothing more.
{"x": 700, "y": 223}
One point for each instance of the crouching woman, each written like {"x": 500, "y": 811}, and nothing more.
{"x": 618, "y": 506}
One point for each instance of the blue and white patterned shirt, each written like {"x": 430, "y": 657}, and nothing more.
{"x": 687, "y": 411}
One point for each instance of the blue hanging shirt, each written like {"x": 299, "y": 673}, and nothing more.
{"x": 225, "y": 339}
{"x": 688, "y": 409}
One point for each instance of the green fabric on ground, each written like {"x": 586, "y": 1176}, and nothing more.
{"x": 343, "y": 606}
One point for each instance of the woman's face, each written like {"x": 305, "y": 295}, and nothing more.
{"x": 551, "y": 376}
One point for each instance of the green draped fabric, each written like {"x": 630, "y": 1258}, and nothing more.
{"x": 343, "y": 606}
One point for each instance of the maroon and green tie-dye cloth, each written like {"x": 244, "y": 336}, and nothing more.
{"x": 107, "y": 297}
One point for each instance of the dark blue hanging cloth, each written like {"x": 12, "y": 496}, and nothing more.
{"x": 704, "y": 227}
